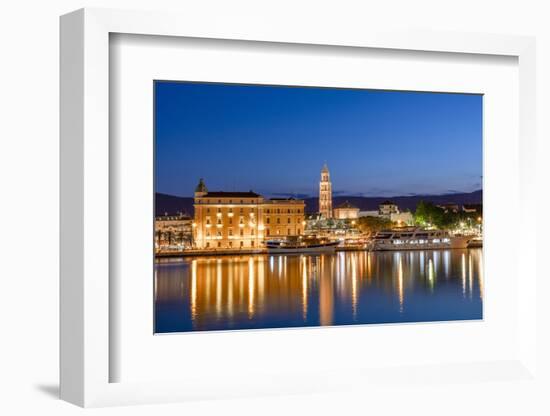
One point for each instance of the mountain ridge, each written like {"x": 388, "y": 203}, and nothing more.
{"x": 171, "y": 204}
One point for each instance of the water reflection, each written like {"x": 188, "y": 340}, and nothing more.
{"x": 266, "y": 291}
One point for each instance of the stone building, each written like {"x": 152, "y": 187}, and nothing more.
{"x": 325, "y": 194}
{"x": 243, "y": 220}
{"x": 387, "y": 208}
{"x": 173, "y": 231}
{"x": 346, "y": 211}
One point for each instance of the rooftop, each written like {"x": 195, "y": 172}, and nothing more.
{"x": 346, "y": 205}
{"x": 222, "y": 194}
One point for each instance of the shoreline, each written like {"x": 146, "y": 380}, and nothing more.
{"x": 211, "y": 253}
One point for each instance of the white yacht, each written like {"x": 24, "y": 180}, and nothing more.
{"x": 417, "y": 239}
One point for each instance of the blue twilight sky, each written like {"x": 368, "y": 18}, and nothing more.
{"x": 274, "y": 140}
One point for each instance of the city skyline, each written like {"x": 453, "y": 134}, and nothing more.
{"x": 274, "y": 140}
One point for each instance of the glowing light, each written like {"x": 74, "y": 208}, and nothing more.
{"x": 304, "y": 288}
{"x": 463, "y": 274}
{"x": 194, "y": 224}
{"x": 193, "y": 290}
{"x": 400, "y": 284}
{"x": 250, "y": 287}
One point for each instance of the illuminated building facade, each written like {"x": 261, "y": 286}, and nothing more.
{"x": 243, "y": 220}
{"x": 173, "y": 231}
{"x": 325, "y": 194}
{"x": 346, "y": 211}
{"x": 387, "y": 208}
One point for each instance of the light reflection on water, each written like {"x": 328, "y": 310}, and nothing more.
{"x": 273, "y": 291}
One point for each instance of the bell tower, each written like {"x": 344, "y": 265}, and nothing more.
{"x": 325, "y": 194}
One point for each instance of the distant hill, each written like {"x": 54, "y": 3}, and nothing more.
{"x": 170, "y": 204}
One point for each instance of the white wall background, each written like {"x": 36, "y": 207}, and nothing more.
{"x": 29, "y": 115}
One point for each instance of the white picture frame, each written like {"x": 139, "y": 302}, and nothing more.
{"x": 85, "y": 210}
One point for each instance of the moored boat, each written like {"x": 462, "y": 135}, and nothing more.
{"x": 300, "y": 245}
{"x": 417, "y": 239}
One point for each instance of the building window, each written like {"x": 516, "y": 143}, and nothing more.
{"x": 208, "y": 233}
{"x": 252, "y": 243}
{"x": 267, "y": 220}
{"x": 231, "y": 244}
{"x": 242, "y": 243}
{"x": 241, "y": 210}
{"x": 298, "y": 231}
{"x": 288, "y": 211}
{"x": 207, "y": 245}
{"x": 288, "y": 220}
{"x": 289, "y": 233}
{"x": 230, "y": 221}
{"x": 267, "y": 232}
{"x": 242, "y": 233}
{"x": 252, "y": 232}
{"x": 219, "y": 221}
{"x": 208, "y": 210}
{"x": 219, "y": 210}
{"x": 230, "y": 232}
{"x": 219, "y": 244}
{"x": 267, "y": 211}
{"x": 278, "y": 220}
{"x": 219, "y": 233}
{"x": 278, "y": 211}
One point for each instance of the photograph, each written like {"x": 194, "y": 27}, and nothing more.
{"x": 285, "y": 206}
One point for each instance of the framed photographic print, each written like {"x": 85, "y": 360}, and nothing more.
{"x": 294, "y": 245}
{"x": 269, "y": 212}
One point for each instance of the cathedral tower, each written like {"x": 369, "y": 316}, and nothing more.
{"x": 325, "y": 194}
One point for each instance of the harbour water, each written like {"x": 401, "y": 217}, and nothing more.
{"x": 344, "y": 288}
